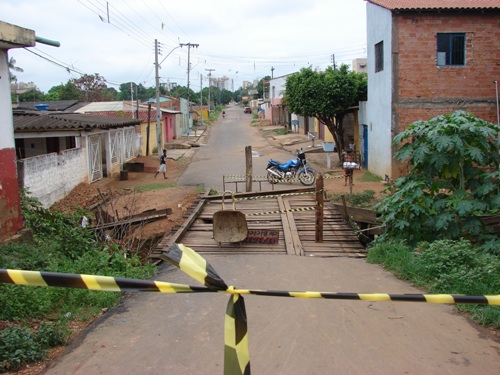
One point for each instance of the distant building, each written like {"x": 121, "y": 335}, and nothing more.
{"x": 359, "y": 65}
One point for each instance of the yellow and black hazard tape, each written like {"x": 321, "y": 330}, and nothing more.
{"x": 242, "y": 177}
{"x": 274, "y": 195}
{"x": 236, "y": 354}
{"x": 327, "y": 176}
{"x": 299, "y": 209}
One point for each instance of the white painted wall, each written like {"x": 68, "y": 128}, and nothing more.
{"x": 6, "y": 120}
{"x": 378, "y": 118}
{"x": 51, "y": 177}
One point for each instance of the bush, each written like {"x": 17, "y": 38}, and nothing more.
{"x": 448, "y": 267}
{"x": 60, "y": 245}
{"x": 453, "y": 180}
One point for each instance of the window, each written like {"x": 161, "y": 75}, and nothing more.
{"x": 450, "y": 49}
{"x": 379, "y": 56}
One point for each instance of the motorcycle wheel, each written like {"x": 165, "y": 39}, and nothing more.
{"x": 307, "y": 177}
{"x": 272, "y": 178}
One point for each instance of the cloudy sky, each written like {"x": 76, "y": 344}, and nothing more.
{"x": 242, "y": 40}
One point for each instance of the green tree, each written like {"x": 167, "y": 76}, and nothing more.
{"x": 13, "y": 68}
{"x": 34, "y": 95}
{"x": 454, "y": 179}
{"x": 326, "y": 95}
{"x": 67, "y": 91}
{"x": 260, "y": 86}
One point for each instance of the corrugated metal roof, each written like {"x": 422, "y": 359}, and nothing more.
{"x": 54, "y": 105}
{"x": 45, "y": 121}
{"x": 436, "y": 4}
{"x": 105, "y": 107}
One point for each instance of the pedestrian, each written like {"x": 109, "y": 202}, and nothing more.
{"x": 352, "y": 145}
{"x": 348, "y": 167}
{"x": 163, "y": 164}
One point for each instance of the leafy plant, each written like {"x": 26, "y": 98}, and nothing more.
{"x": 453, "y": 180}
{"x": 365, "y": 199}
{"x": 445, "y": 266}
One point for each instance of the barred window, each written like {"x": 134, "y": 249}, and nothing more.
{"x": 450, "y": 49}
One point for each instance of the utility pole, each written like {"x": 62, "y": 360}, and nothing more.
{"x": 159, "y": 137}
{"x": 272, "y": 72}
{"x": 189, "y": 45}
{"x": 201, "y": 99}
{"x": 209, "y": 84}
{"x": 334, "y": 65}
{"x": 132, "y": 98}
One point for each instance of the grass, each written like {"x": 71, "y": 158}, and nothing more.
{"x": 155, "y": 186}
{"x": 446, "y": 267}
{"x": 365, "y": 199}
{"x": 369, "y": 177}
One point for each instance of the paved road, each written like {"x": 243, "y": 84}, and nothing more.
{"x": 224, "y": 153}
{"x": 183, "y": 334}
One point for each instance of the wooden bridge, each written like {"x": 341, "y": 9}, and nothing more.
{"x": 279, "y": 222}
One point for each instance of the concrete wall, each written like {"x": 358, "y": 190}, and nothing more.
{"x": 51, "y": 177}
{"x": 378, "y": 119}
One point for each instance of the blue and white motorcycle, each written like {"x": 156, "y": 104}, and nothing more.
{"x": 291, "y": 171}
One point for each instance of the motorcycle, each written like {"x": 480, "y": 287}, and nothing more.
{"x": 290, "y": 171}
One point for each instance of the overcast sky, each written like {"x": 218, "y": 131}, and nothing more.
{"x": 242, "y": 40}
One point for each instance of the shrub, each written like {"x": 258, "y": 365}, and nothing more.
{"x": 453, "y": 180}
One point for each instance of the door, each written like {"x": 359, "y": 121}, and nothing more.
{"x": 365, "y": 146}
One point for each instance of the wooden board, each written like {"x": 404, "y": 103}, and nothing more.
{"x": 271, "y": 210}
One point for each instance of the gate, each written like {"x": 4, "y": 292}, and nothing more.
{"x": 95, "y": 159}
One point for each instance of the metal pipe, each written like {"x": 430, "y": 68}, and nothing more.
{"x": 49, "y": 42}
{"x": 498, "y": 112}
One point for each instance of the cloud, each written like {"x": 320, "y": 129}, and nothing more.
{"x": 245, "y": 37}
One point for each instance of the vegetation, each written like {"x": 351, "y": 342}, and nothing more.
{"x": 453, "y": 180}
{"x": 26, "y": 336}
{"x": 365, "y": 199}
{"x": 327, "y": 96}
{"x": 448, "y": 267}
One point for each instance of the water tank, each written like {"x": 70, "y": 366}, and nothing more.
{"x": 42, "y": 107}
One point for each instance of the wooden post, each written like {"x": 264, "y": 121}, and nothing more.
{"x": 319, "y": 209}
{"x": 248, "y": 158}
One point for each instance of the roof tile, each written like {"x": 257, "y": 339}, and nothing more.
{"x": 436, "y": 4}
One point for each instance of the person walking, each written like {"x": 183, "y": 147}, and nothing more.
{"x": 163, "y": 164}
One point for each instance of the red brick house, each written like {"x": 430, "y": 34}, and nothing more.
{"x": 427, "y": 58}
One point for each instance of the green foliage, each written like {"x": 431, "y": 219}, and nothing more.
{"x": 20, "y": 345}
{"x": 325, "y": 95}
{"x": 60, "y": 245}
{"x": 157, "y": 186}
{"x": 453, "y": 180}
{"x": 365, "y": 199}
{"x": 448, "y": 267}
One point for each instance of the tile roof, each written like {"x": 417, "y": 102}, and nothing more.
{"x": 45, "y": 121}
{"x": 436, "y": 4}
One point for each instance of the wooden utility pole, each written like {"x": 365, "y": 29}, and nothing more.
{"x": 249, "y": 169}
{"x": 319, "y": 209}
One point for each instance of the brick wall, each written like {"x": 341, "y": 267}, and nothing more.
{"x": 52, "y": 176}
{"x": 426, "y": 90}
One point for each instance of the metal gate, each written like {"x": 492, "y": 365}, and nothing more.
{"x": 129, "y": 143}
{"x": 116, "y": 153}
{"x": 95, "y": 159}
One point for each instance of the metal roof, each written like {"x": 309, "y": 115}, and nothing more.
{"x": 437, "y": 4}
{"x": 54, "y": 105}
{"x": 46, "y": 121}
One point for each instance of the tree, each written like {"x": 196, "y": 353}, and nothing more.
{"x": 260, "y": 86}
{"x": 453, "y": 180}
{"x": 68, "y": 91}
{"x": 13, "y": 67}
{"x": 93, "y": 88}
{"x": 326, "y": 95}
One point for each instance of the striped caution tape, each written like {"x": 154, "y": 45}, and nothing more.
{"x": 236, "y": 354}
{"x": 274, "y": 195}
{"x": 242, "y": 177}
{"x": 299, "y": 209}
{"x": 332, "y": 177}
